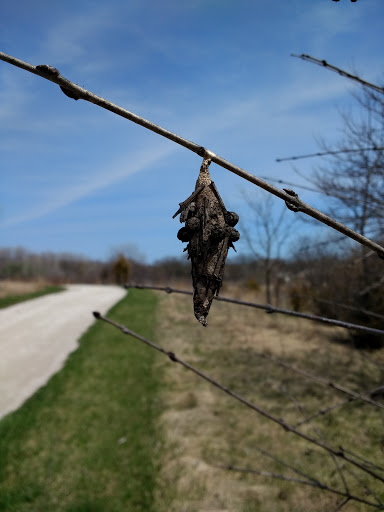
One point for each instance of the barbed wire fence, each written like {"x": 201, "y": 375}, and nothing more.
{"x": 363, "y": 466}
{"x": 358, "y": 467}
{"x": 268, "y": 308}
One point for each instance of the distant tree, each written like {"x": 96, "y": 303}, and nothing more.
{"x": 128, "y": 250}
{"x": 354, "y": 184}
{"x": 265, "y": 232}
{"x": 121, "y": 268}
{"x": 18, "y": 263}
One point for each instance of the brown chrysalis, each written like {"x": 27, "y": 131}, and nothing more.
{"x": 209, "y": 231}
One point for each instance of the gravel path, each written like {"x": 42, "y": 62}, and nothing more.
{"x": 36, "y": 337}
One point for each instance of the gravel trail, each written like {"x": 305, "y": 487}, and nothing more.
{"x": 36, "y": 337}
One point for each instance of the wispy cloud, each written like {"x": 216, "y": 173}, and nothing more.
{"x": 331, "y": 19}
{"x": 124, "y": 166}
{"x": 323, "y": 22}
{"x": 70, "y": 38}
{"x": 14, "y": 94}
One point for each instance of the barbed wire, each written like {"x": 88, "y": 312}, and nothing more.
{"x": 291, "y": 199}
{"x": 325, "y": 64}
{"x": 268, "y": 308}
{"x": 328, "y": 153}
{"x": 339, "y": 305}
{"x": 346, "y": 455}
{"x": 321, "y": 192}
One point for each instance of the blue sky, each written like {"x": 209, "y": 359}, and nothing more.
{"x": 76, "y": 178}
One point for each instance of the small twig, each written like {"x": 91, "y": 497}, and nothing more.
{"x": 311, "y": 483}
{"x": 270, "y": 309}
{"x": 288, "y": 428}
{"x": 340, "y": 305}
{"x": 76, "y": 92}
{"x": 300, "y": 408}
{"x": 371, "y": 287}
{"x": 363, "y": 484}
{"x": 285, "y": 464}
{"x": 326, "y": 153}
{"x": 341, "y": 505}
{"x": 323, "y": 412}
{"x": 321, "y": 380}
{"x": 324, "y": 63}
{"x": 366, "y": 462}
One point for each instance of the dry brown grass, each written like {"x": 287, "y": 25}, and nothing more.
{"x": 10, "y": 288}
{"x": 205, "y": 428}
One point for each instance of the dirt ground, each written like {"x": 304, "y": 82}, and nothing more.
{"x": 36, "y": 336}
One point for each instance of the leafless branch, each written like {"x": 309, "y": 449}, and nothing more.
{"x": 270, "y": 309}
{"x": 367, "y": 463}
{"x": 341, "y": 72}
{"x": 338, "y": 452}
{"x": 341, "y": 505}
{"x": 367, "y": 489}
{"x": 326, "y": 410}
{"x": 321, "y": 380}
{"x": 312, "y": 483}
{"x": 291, "y": 198}
{"x": 300, "y": 408}
{"x": 323, "y": 412}
{"x": 340, "y": 305}
{"x": 372, "y": 286}
{"x": 284, "y": 463}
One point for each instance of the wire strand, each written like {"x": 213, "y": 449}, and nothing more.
{"x": 269, "y": 309}
{"x": 325, "y": 64}
{"x": 328, "y": 153}
{"x": 339, "y": 452}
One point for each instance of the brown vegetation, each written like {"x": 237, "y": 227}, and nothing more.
{"x": 9, "y": 287}
{"x": 206, "y": 429}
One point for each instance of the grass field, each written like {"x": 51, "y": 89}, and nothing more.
{"x": 89, "y": 441}
{"x": 121, "y": 428}
{"x": 13, "y": 292}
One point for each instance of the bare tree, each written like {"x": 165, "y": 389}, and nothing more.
{"x": 355, "y": 180}
{"x": 265, "y": 232}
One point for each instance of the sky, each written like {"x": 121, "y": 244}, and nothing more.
{"x": 77, "y": 178}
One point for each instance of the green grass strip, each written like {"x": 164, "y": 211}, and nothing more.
{"x": 88, "y": 440}
{"x": 10, "y": 300}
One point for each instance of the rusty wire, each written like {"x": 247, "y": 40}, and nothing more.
{"x": 269, "y": 309}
